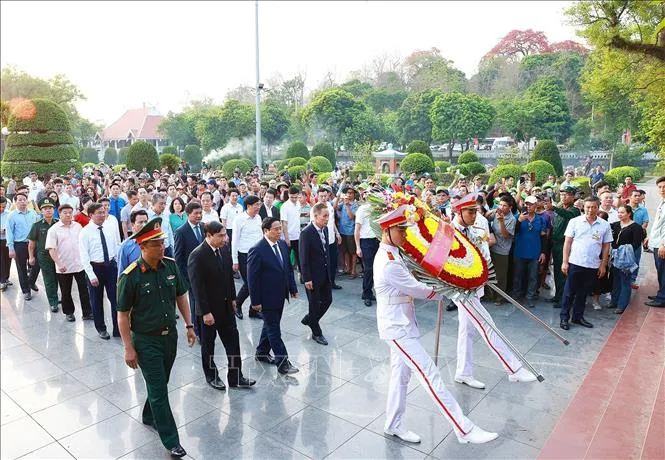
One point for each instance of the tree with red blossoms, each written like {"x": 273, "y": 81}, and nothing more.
{"x": 568, "y": 45}
{"x": 519, "y": 43}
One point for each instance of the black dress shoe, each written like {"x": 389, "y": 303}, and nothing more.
{"x": 654, "y": 303}
{"x": 177, "y": 451}
{"x": 34, "y": 288}
{"x": 217, "y": 384}
{"x": 243, "y": 383}
{"x": 255, "y": 314}
{"x": 368, "y": 303}
{"x": 582, "y": 322}
{"x": 651, "y": 297}
{"x": 320, "y": 339}
{"x": 287, "y": 368}
{"x": 116, "y": 333}
{"x": 88, "y": 317}
{"x": 305, "y": 320}
{"x": 451, "y": 307}
{"x": 268, "y": 359}
{"x": 27, "y": 296}
{"x": 564, "y": 325}
{"x": 238, "y": 313}
{"x": 104, "y": 335}
{"x": 54, "y": 308}
{"x": 70, "y": 318}
{"x": 336, "y": 286}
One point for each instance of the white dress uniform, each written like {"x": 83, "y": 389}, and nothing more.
{"x": 395, "y": 290}
{"x": 471, "y": 321}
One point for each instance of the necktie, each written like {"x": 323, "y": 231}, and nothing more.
{"x": 197, "y": 233}
{"x": 323, "y": 240}
{"x": 218, "y": 254}
{"x": 466, "y": 231}
{"x": 104, "y": 247}
{"x": 277, "y": 254}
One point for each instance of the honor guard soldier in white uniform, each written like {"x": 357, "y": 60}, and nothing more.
{"x": 471, "y": 320}
{"x": 395, "y": 289}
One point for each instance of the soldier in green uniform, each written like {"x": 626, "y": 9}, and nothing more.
{"x": 37, "y": 244}
{"x": 148, "y": 289}
{"x": 563, "y": 214}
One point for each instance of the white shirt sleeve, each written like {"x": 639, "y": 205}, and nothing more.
{"x": 85, "y": 258}
{"x": 398, "y": 276}
{"x": 237, "y": 231}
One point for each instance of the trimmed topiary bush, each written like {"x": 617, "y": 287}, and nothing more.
{"x": 192, "y": 155}
{"x": 250, "y": 164}
{"x": 418, "y": 163}
{"x": 548, "y": 151}
{"x": 297, "y": 161}
{"x": 463, "y": 169}
{"x": 297, "y": 149}
{"x": 171, "y": 149}
{"x": 110, "y": 156}
{"x": 118, "y": 168}
{"x": 441, "y": 166}
{"x": 582, "y": 184}
{"x": 542, "y": 168}
{"x": 323, "y": 178}
{"x": 296, "y": 171}
{"x": 362, "y": 169}
{"x": 320, "y": 164}
{"x": 281, "y": 164}
{"x": 468, "y": 157}
{"x": 122, "y": 155}
{"x": 505, "y": 170}
{"x": 231, "y": 165}
{"x": 39, "y": 140}
{"x": 620, "y": 173}
{"x": 88, "y": 155}
{"x": 169, "y": 161}
{"x": 474, "y": 168}
{"x": 142, "y": 155}
{"x": 418, "y": 146}
{"x": 324, "y": 149}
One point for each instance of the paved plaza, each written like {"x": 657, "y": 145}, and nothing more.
{"x": 67, "y": 393}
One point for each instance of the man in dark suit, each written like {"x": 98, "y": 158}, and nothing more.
{"x": 187, "y": 238}
{"x": 270, "y": 280}
{"x": 315, "y": 267}
{"x": 268, "y": 200}
{"x": 211, "y": 274}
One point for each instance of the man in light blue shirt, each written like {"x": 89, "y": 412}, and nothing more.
{"x": 18, "y": 227}
{"x": 159, "y": 210}
{"x": 129, "y": 251}
{"x": 5, "y": 260}
{"x": 640, "y": 217}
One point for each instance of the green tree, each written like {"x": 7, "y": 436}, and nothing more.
{"x": 468, "y": 157}
{"x": 365, "y": 127}
{"x": 179, "y": 128}
{"x": 418, "y": 146}
{"x": 547, "y": 150}
{"x": 122, "y": 155}
{"x": 88, "y": 155}
{"x": 297, "y": 149}
{"x": 356, "y": 87}
{"x": 193, "y": 155}
{"x": 111, "y": 156}
{"x": 170, "y": 162}
{"x": 324, "y": 149}
{"x": 333, "y": 111}
{"x": 418, "y": 163}
{"x": 170, "y": 149}
{"x": 274, "y": 125}
{"x": 218, "y": 125}
{"x": 320, "y": 164}
{"x": 427, "y": 69}
{"x": 142, "y": 155}
{"x": 381, "y": 100}
{"x": 543, "y": 170}
{"x": 413, "y": 117}
{"x": 39, "y": 140}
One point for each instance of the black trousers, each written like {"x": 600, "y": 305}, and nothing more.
{"x": 334, "y": 260}
{"x": 65, "y": 283}
{"x": 319, "y": 299}
{"x": 369, "y": 248}
{"x": 26, "y": 275}
{"x": 243, "y": 293}
{"x": 296, "y": 250}
{"x": 228, "y": 334}
{"x": 5, "y": 262}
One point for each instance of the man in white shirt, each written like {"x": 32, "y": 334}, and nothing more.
{"x": 209, "y": 214}
{"x": 159, "y": 210}
{"x": 606, "y": 205}
{"x": 144, "y": 200}
{"x": 68, "y": 197}
{"x": 366, "y": 247}
{"x": 585, "y": 253}
{"x": 334, "y": 238}
{"x": 656, "y": 242}
{"x": 35, "y": 186}
{"x": 289, "y": 214}
{"x": 98, "y": 245}
{"x": 246, "y": 233}
{"x": 229, "y": 212}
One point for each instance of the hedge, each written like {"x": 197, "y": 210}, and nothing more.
{"x": 468, "y": 157}
{"x": 320, "y": 164}
{"x": 170, "y": 149}
{"x": 418, "y": 146}
{"x": 39, "y": 139}
{"x": 474, "y": 168}
{"x": 505, "y": 170}
{"x": 418, "y": 163}
{"x": 323, "y": 177}
{"x": 169, "y": 161}
{"x": 297, "y": 161}
{"x": 250, "y": 164}
{"x": 463, "y": 169}
{"x": 142, "y": 155}
{"x": 297, "y": 149}
{"x": 38, "y": 115}
{"x": 111, "y": 156}
{"x": 548, "y": 151}
{"x": 582, "y": 184}
{"x": 118, "y": 168}
{"x": 122, "y": 155}
{"x": 281, "y": 164}
{"x": 542, "y": 168}
{"x": 620, "y": 173}
{"x": 296, "y": 171}
{"x": 60, "y": 167}
{"x": 324, "y": 149}
{"x": 231, "y": 165}
{"x": 53, "y": 153}
{"x": 88, "y": 155}
{"x": 442, "y": 166}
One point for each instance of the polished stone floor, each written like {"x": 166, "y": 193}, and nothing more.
{"x": 66, "y": 393}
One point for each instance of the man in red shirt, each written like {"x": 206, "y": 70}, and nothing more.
{"x": 628, "y": 188}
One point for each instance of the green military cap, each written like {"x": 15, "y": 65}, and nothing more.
{"x": 568, "y": 189}
{"x": 362, "y": 186}
{"x": 46, "y": 202}
{"x": 151, "y": 231}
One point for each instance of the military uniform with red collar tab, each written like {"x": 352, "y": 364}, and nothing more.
{"x": 396, "y": 289}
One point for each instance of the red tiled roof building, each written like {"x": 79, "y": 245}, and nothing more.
{"x": 135, "y": 125}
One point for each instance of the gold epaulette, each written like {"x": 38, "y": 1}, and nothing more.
{"x": 129, "y": 268}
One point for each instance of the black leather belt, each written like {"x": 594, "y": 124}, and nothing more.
{"x": 157, "y": 332}
{"x": 112, "y": 261}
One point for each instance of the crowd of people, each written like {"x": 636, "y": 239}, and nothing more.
{"x": 144, "y": 238}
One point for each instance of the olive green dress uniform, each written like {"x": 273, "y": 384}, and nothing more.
{"x": 38, "y": 235}
{"x": 561, "y": 218}
{"x": 150, "y": 298}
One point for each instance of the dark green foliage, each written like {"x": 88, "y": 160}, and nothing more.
{"x": 142, "y": 155}
{"x": 463, "y": 169}
{"x": 122, "y": 155}
{"x": 622, "y": 172}
{"x": 362, "y": 169}
{"x": 88, "y": 155}
{"x": 505, "y": 170}
{"x": 21, "y": 169}
{"x": 297, "y": 149}
{"x": 548, "y": 151}
{"x": 38, "y": 115}
{"x": 626, "y": 156}
{"x": 320, "y": 164}
{"x": 170, "y": 149}
{"x": 324, "y": 149}
{"x": 441, "y": 166}
{"x": 418, "y": 146}
{"x": 110, "y": 156}
{"x": 474, "y": 168}
{"x": 44, "y": 154}
{"x": 418, "y": 163}
{"x": 231, "y": 165}
{"x": 468, "y": 157}
{"x": 170, "y": 162}
{"x": 296, "y": 171}
{"x": 250, "y": 164}
{"x": 542, "y": 168}
{"x": 581, "y": 183}
{"x": 297, "y": 161}
{"x": 192, "y": 155}
{"x": 39, "y": 139}
{"x": 281, "y": 164}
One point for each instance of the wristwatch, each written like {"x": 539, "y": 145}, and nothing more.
{"x": 189, "y": 326}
